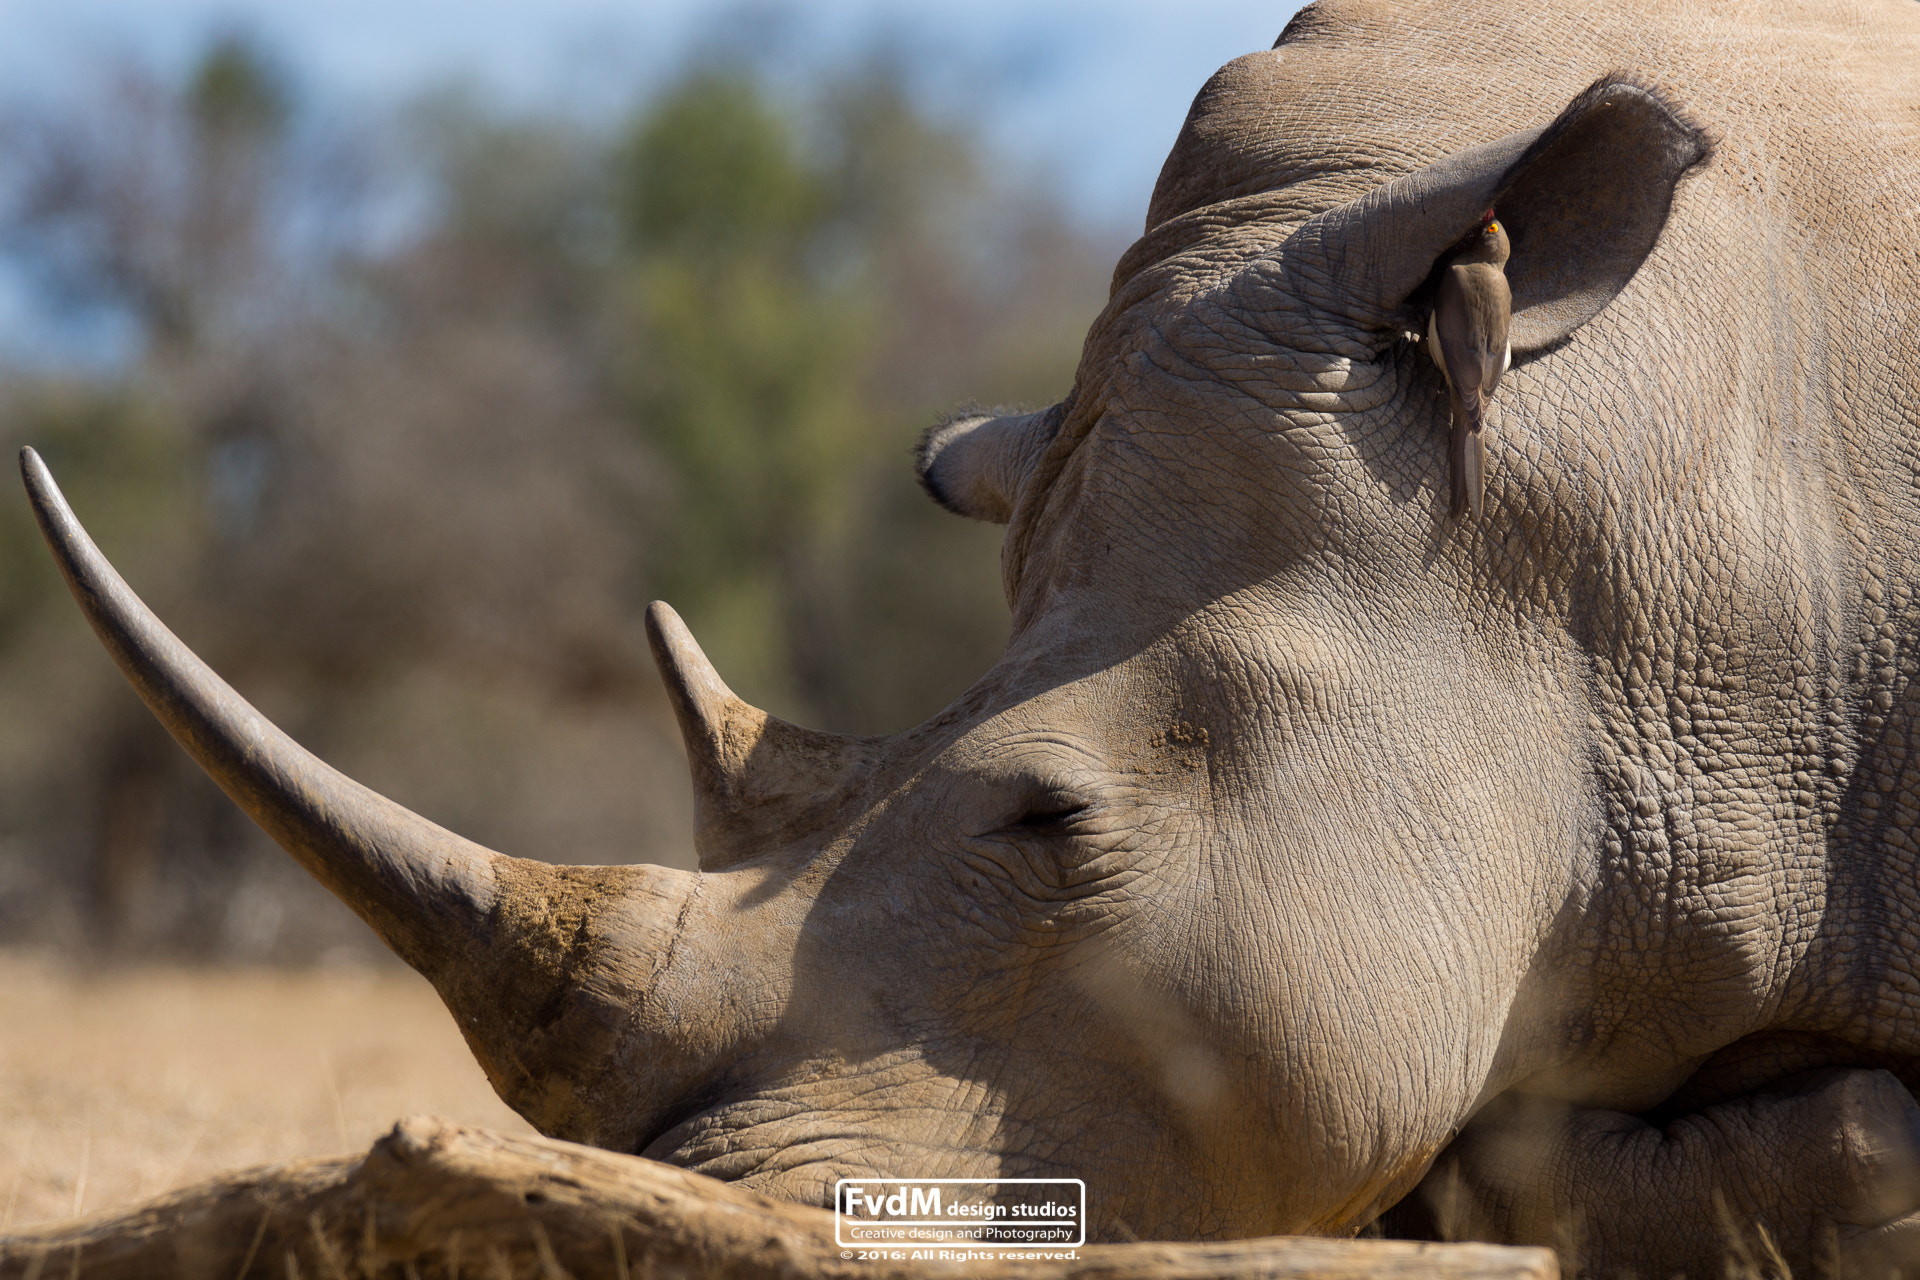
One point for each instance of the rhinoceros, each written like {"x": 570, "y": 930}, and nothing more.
{"x": 1313, "y": 859}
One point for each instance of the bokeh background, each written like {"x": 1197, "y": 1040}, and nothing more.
{"x": 400, "y": 353}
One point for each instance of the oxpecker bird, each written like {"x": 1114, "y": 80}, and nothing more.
{"x": 1467, "y": 338}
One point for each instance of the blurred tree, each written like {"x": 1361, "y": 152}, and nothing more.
{"x": 808, "y": 285}
{"x": 410, "y": 492}
{"x": 158, "y": 209}
{"x": 159, "y": 202}
{"x": 744, "y": 373}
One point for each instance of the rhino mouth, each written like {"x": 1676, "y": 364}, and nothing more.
{"x": 790, "y": 1155}
{"x": 793, "y": 1140}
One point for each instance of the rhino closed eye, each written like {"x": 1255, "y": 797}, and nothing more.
{"x": 1058, "y": 845}
{"x": 1052, "y": 814}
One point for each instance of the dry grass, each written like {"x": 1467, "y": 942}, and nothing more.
{"x": 119, "y": 1085}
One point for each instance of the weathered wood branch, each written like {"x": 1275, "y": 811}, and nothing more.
{"x": 437, "y": 1201}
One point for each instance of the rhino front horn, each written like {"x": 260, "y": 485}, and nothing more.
{"x": 759, "y": 783}
{"x": 417, "y": 884}
{"x": 518, "y": 949}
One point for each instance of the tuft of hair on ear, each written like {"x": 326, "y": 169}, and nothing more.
{"x": 976, "y": 462}
{"x": 928, "y": 446}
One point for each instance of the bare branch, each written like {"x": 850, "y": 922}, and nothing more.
{"x": 431, "y": 1193}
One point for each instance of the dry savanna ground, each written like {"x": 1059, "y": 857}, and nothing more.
{"x": 120, "y": 1084}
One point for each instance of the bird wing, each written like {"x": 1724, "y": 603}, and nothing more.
{"x": 1471, "y": 315}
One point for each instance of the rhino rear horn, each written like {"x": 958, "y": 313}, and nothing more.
{"x": 1583, "y": 199}
{"x": 759, "y": 783}
{"x": 977, "y": 464}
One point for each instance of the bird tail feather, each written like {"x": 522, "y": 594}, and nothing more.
{"x": 1469, "y": 453}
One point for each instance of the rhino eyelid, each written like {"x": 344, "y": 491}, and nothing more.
{"x": 1050, "y": 814}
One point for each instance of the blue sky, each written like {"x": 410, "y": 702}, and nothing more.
{"x": 1091, "y": 93}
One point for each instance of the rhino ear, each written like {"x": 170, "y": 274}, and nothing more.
{"x": 1586, "y": 203}
{"x": 976, "y": 464}
{"x": 1583, "y": 199}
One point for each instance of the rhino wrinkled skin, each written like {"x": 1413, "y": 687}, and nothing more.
{"x": 1307, "y": 843}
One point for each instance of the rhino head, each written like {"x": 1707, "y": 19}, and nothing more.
{"x": 1228, "y": 888}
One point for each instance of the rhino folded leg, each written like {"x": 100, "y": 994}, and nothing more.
{"x": 1821, "y": 1174}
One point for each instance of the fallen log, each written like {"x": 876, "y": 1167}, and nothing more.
{"x": 438, "y": 1201}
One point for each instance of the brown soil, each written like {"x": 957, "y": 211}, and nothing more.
{"x": 119, "y": 1084}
